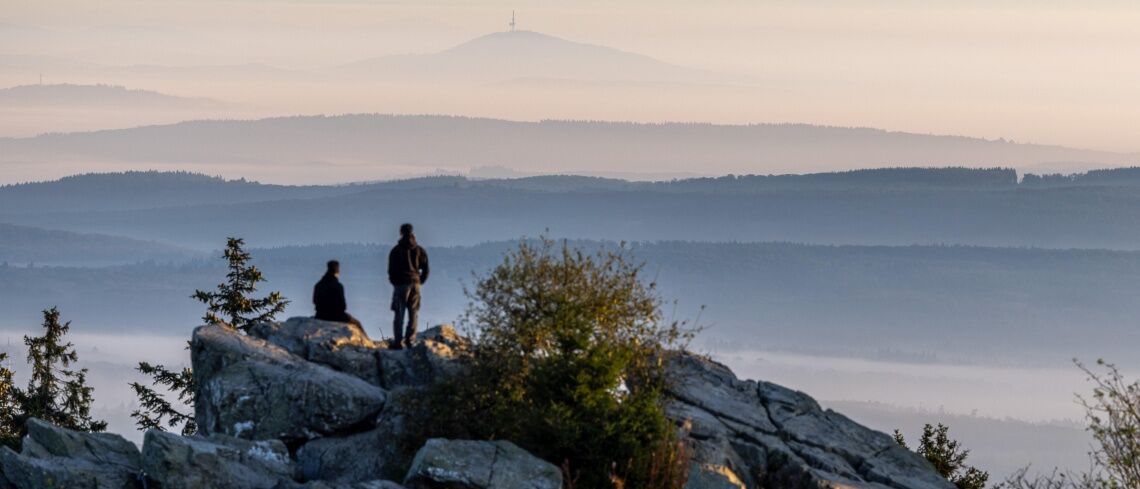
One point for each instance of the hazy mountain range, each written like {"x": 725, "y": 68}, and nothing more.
{"x": 370, "y": 146}
{"x": 24, "y": 245}
{"x": 703, "y": 237}
{"x": 97, "y": 96}
{"x": 877, "y": 207}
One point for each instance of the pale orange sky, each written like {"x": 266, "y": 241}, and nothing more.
{"x": 1034, "y": 71}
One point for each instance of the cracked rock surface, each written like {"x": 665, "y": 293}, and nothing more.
{"x": 55, "y": 457}
{"x": 186, "y": 462}
{"x": 743, "y": 433}
{"x": 251, "y": 388}
{"x": 467, "y": 464}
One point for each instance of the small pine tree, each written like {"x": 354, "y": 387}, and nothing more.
{"x": 231, "y": 303}
{"x": 947, "y": 457}
{"x": 155, "y": 411}
{"x": 56, "y": 393}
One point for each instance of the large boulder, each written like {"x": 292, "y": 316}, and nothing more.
{"x": 56, "y": 457}
{"x": 176, "y": 462}
{"x": 360, "y": 457}
{"x": 342, "y": 346}
{"x": 764, "y": 435}
{"x": 465, "y": 464}
{"x": 250, "y": 388}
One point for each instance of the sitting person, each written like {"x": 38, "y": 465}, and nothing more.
{"x": 328, "y": 297}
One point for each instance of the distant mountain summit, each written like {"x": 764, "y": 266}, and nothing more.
{"x": 101, "y": 96}
{"x": 515, "y": 55}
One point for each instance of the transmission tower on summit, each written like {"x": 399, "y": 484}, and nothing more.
{"x": 512, "y": 24}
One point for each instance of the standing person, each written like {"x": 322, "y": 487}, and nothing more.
{"x": 407, "y": 271}
{"x": 328, "y": 297}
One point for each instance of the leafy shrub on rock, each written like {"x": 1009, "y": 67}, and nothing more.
{"x": 566, "y": 361}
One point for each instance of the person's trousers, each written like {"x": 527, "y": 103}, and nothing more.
{"x": 405, "y": 302}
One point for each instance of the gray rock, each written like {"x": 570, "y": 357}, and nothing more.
{"x": 445, "y": 334}
{"x": 45, "y": 440}
{"x": 770, "y": 436}
{"x": 57, "y": 457}
{"x": 712, "y": 387}
{"x": 342, "y": 346}
{"x": 376, "y": 484}
{"x": 176, "y": 462}
{"x": 433, "y": 357}
{"x": 25, "y": 472}
{"x": 465, "y": 464}
{"x": 705, "y": 476}
{"x": 250, "y": 388}
{"x": 355, "y": 458}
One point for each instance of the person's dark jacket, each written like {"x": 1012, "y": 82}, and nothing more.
{"x": 328, "y": 297}
{"x": 407, "y": 263}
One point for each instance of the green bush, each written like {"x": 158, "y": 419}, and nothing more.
{"x": 566, "y": 362}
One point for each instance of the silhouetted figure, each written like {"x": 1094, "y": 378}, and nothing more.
{"x": 328, "y": 297}
{"x": 407, "y": 271}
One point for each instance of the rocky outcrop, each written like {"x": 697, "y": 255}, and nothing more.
{"x": 53, "y": 457}
{"x": 347, "y": 348}
{"x": 308, "y": 404}
{"x": 466, "y": 464}
{"x": 341, "y": 346}
{"x": 759, "y": 434}
{"x": 187, "y": 462}
{"x": 251, "y": 388}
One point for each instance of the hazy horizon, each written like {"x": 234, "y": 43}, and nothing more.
{"x": 1036, "y": 72}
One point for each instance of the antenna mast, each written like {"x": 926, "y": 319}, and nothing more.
{"x": 512, "y": 24}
